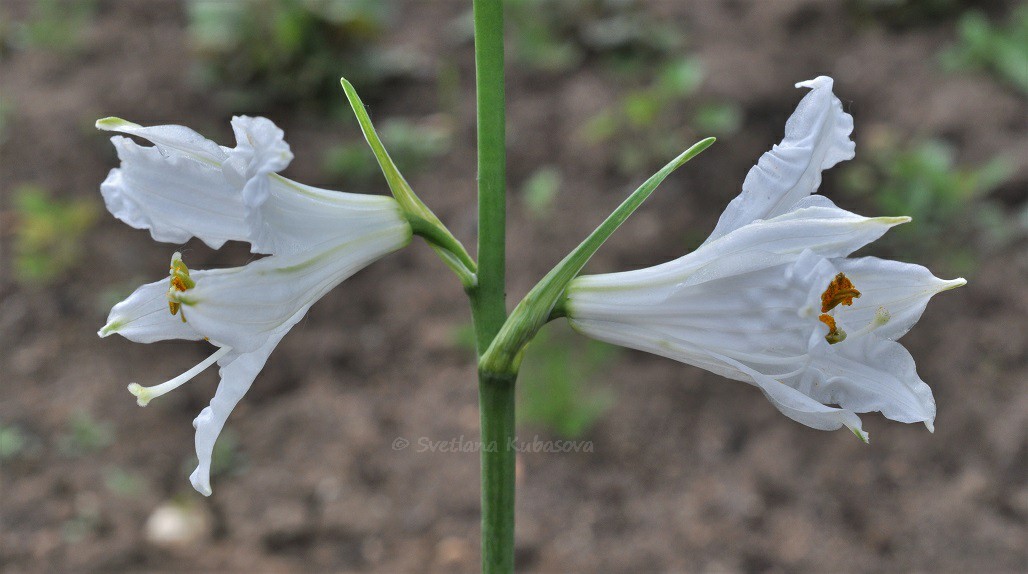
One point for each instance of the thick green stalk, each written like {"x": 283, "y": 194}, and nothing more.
{"x": 488, "y": 301}
{"x": 496, "y": 393}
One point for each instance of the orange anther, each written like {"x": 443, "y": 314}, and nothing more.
{"x": 839, "y": 292}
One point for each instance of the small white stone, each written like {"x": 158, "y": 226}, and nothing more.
{"x": 176, "y": 525}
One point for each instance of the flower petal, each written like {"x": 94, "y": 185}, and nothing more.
{"x": 825, "y": 231}
{"x": 260, "y": 150}
{"x": 294, "y": 217}
{"x": 866, "y": 374}
{"x": 798, "y": 406}
{"x": 242, "y": 306}
{"x": 816, "y": 138}
{"x": 171, "y": 140}
{"x": 238, "y": 371}
{"x": 668, "y": 343}
{"x": 144, "y": 317}
{"x": 901, "y": 289}
{"x": 750, "y": 316}
{"x": 174, "y": 196}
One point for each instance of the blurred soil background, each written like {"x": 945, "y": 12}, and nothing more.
{"x": 687, "y": 472}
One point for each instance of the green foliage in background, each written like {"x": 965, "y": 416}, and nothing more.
{"x": 12, "y": 442}
{"x": 903, "y": 13}
{"x": 85, "y": 522}
{"x": 17, "y": 443}
{"x": 636, "y": 125}
{"x": 922, "y": 179}
{"x": 559, "y": 35}
{"x": 57, "y": 25}
{"x": 6, "y": 111}
{"x": 85, "y": 434}
{"x": 265, "y": 52}
{"x": 540, "y": 191}
{"x": 1000, "y": 50}
{"x": 48, "y": 233}
{"x": 557, "y": 388}
{"x": 123, "y": 482}
{"x": 413, "y": 146}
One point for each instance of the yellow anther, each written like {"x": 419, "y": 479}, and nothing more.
{"x": 180, "y": 281}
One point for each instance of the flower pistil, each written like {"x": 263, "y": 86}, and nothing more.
{"x": 145, "y": 394}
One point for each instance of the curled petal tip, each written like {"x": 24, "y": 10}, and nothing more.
{"x": 930, "y": 425}
{"x": 818, "y": 82}
{"x": 110, "y": 328}
{"x": 863, "y": 436}
{"x": 892, "y": 221}
{"x": 201, "y": 483}
{"x": 113, "y": 124}
{"x": 952, "y": 284}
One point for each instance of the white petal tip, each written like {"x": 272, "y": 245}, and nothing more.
{"x": 110, "y": 328}
{"x": 141, "y": 393}
{"x": 930, "y": 425}
{"x": 200, "y": 484}
{"x": 818, "y": 82}
{"x": 952, "y": 284}
{"x": 890, "y": 221}
{"x": 114, "y": 124}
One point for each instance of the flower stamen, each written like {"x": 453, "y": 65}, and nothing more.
{"x": 839, "y": 292}
{"x": 145, "y": 394}
{"x": 180, "y": 281}
{"x": 835, "y": 334}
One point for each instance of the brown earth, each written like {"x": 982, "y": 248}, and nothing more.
{"x": 689, "y": 472}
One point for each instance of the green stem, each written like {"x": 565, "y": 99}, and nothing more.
{"x": 489, "y": 311}
{"x": 488, "y": 301}
{"x": 496, "y": 401}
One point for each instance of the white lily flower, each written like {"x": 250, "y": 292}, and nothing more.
{"x": 771, "y": 297}
{"x": 188, "y": 186}
{"x": 245, "y": 311}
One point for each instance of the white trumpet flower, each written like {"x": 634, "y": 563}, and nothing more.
{"x": 771, "y": 297}
{"x": 245, "y": 311}
{"x": 188, "y": 186}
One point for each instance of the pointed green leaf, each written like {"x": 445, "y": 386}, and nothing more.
{"x": 534, "y": 310}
